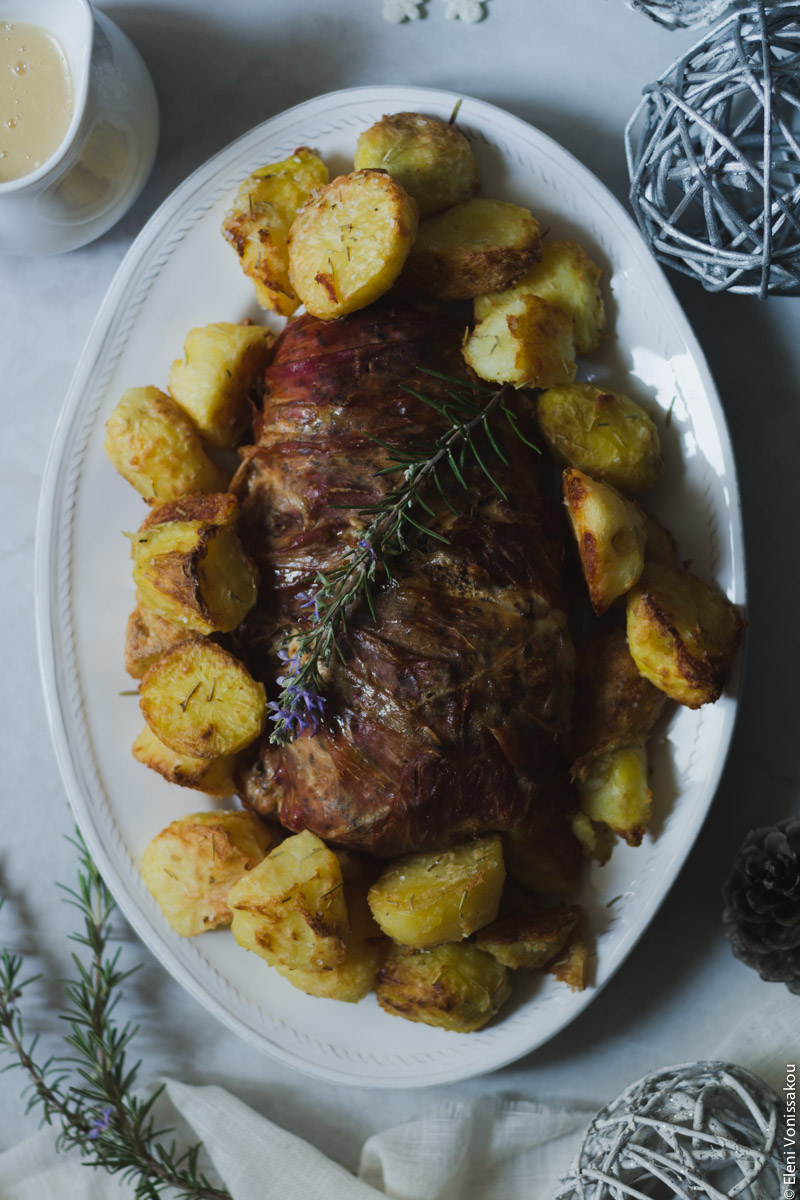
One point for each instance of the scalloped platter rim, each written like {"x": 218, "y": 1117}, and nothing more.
{"x": 179, "y": 274}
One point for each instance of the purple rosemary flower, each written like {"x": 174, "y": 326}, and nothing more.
{"x": 300, "y": 708}
{"x": 310, "y": 600}
{"x": 101, "y": 1123}
{"x": 365, "y": 545}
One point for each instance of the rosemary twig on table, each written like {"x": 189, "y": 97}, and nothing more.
{"x": 337, "y": 591}
{"x": 89, "y": 1090}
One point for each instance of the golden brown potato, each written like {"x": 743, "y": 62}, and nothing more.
{"x": 189, "y": 566}
{"x": 605, "y": 434}
{"x": 430, "y": 159}
{"x": 441, "y": 896}
{"x": 474, "y": 247}
{"x": 201, "y": 701}
{"x": 614, "y": 704}
{"x": 157, "y": 448}
{"x": 291, "y": 909}
{"x": 541, "y": 852}
{"x": 596, "y": 839}
{"x": 613, "y": 790}
{"x": 147, "y": 636}
{"x": 660, "y": 545}
{"x": 610, "y": 533}
{"x": 258, "y": 224}
{"x": 365, "y": 948}
{"x": 571, "y": 966}
{"x": 191, "y": 866}
{"x": 214, "y": 776}
{"x": 530, "y": 941}
{"x": 349, "y": 242}
{"x": 525, "y": 341}
{"x": 683, "y": 634}
{"x": 214, "y": 380}
{"x": 455, "y": 986}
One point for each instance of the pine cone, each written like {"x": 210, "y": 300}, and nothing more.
{"x": 762, "y": 902}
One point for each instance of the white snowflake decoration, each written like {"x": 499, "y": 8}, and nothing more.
{"x": 398, "y": 11}
{"x": 464, "y": 10}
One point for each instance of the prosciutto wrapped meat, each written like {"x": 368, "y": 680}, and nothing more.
{"x": 444, "y": 713}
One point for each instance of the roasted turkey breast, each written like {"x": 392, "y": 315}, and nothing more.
{"x": 444, "y": 713}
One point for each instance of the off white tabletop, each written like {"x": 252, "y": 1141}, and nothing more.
{"x": 575, "y": 69}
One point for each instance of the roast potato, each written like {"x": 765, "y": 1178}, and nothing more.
{"x": 474, "y": 247}
{"x": 530, "y": 941}
{"x": 191, "y": 866}
{"x": 349, "y": 242}
{"x": 214, "y": 776}
{"x": 605, "y": 434}
{"x": 571, "y": 965}
{"x": 291, "y": 909}
{"x": 430, "y": 159}
{"x": 201, "y": 701}
{"x": 454, "y": 986}
{"x": 683, "y": 634}
{"x": 610, "y": 534}
{"x": 525, "y": 341}
{"x": 613, "y": 789}
{"x": 429, "y": 898}
{"x": 214, "y": 380}
{"x": 155, "y": 446}
{"x": 660, "y": 545}
{"x": 596, "y": 839}
{"x": 541, "y": 851}
{"x": 189, "y": 566}
{"x": 147, "y": 636}
{"x": 258, "y": 224}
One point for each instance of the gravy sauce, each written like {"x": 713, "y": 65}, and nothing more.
{"x": 36, "y": 98}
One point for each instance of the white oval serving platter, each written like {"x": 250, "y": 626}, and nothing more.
{"x": 178, "y": 274}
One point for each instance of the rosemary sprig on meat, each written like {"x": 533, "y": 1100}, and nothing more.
{"x": 89, "y": 1090}
{"x": 467, "y": 408}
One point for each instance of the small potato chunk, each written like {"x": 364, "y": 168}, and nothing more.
{"x": 199, "y": 700}
{"x": 541, "y": 851}
{"x": 571, "y": 966}
{"x": 527, "y": 342}
{"x": 430, "y": 898}
{"x": 613, "y": 789}
{"x": 614, "y": 704}
{"x": 660, "y": 546}
{"x": 605, "y": 434}
{"x": 258, "y": 224}
{"x": 683, "y": 634}
{"x": 157, "y": 448}
{"x": 474, "y": 247}
{"x": 147, "y": 636}
{"x": 213, "y": 381}
{"x": 349, "y": 243}
{"x": 194, "y": 572}
{"x": 291, "y": 909}
{"x": 455, "y": 986}
{"x": 430, "y": 159}
{"x": 610, "y": 532}
{"x": 191, "y": 866}
{"x": 214, "y": 776}
{"x": 530, "y": 941}
{"x": 597, "y": 840}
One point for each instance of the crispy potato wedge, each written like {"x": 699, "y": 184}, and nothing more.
{"x": 214, "y": 380}
{"x": 191, "y": 866}
{"x": 258, "y": 224}
{"x": 155, "y": 446}
{"x": 610, "y": 534}
{"x": 614, "y": 704}
{"x": 596, "y": 839}
{"x": 147, "y": 636}
{"x": 291, "y": 909}
{"x": 683, "y": 634}
{"x": 455, "y": 986}
{"x": 189, "y": 566}
{"x": 201, "y": 701}
{"x": 474, "y": 247}
{"x": 349, "y": 242}
{"x": 429, "y": 158}
{"x": 541, "y": 852}
{"x": 214, "y": 776}
{"x": 605, "y": 434}
{"x": 429, "y": 898}
{"x": 613, "y": 790}
{"x": 530, "y": 941}
{"x": 526, "y": 341}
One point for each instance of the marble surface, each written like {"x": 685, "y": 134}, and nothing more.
{"x": 574, "y": 69}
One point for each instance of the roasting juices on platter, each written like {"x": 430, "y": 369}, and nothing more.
{"x": 365, "y": 632}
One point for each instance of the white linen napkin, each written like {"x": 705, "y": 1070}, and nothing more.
{"x": 486, "y": 1150}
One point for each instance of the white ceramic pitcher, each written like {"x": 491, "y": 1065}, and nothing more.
{"x": 107, "y": 153}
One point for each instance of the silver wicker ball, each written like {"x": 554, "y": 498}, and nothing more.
{"x": 699, "y": 1131}
{"x": 713, "y": 155}
{"x": 683, "y": 14}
